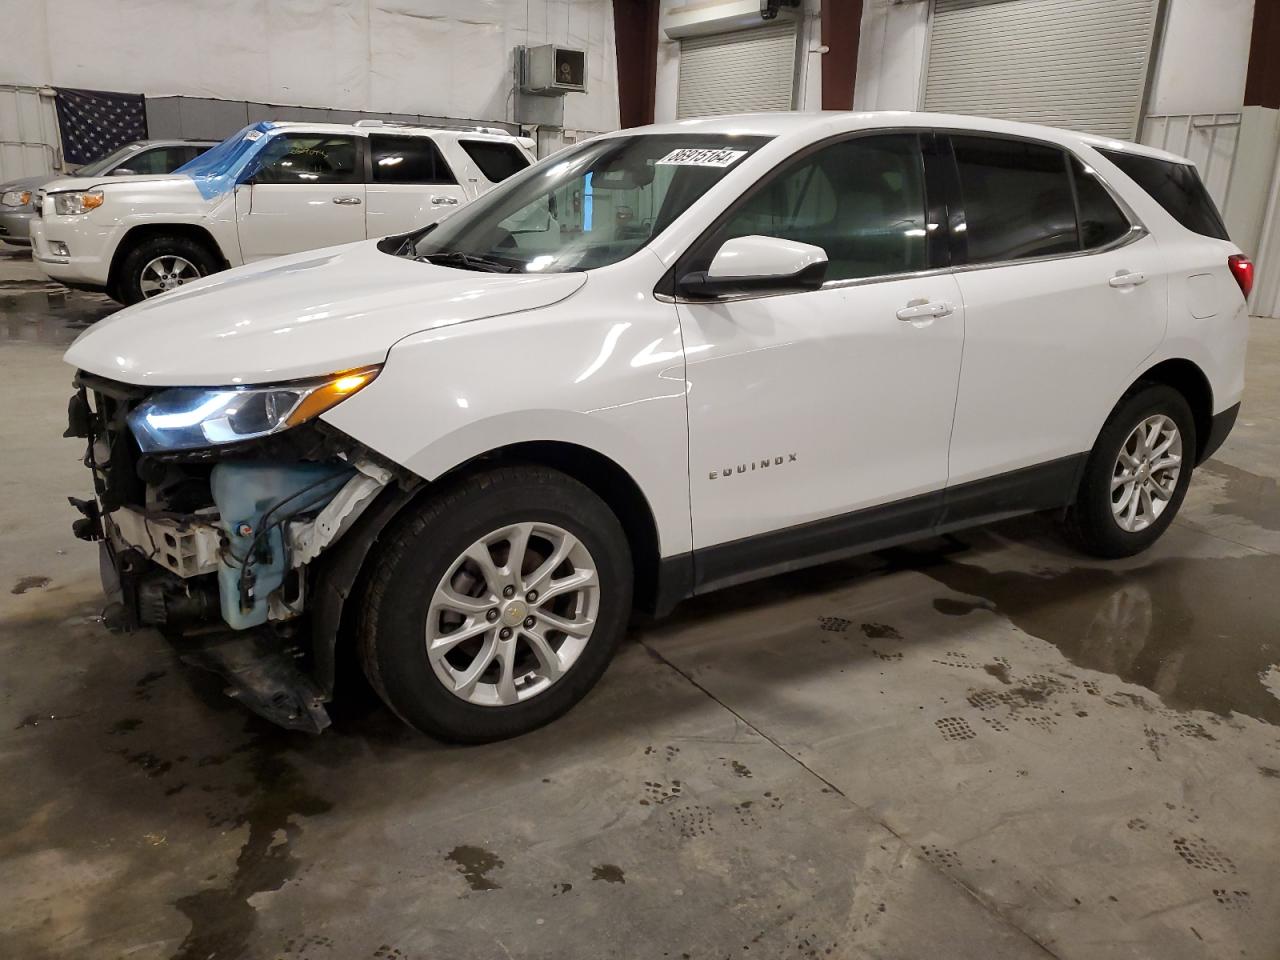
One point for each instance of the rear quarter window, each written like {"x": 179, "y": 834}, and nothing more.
{"x": 496, "y": 161}
{"x": 1176, "y": 187}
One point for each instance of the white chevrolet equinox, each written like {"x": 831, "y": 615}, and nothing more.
{"x": 662, "y": 362}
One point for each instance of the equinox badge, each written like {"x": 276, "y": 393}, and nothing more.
{"x": 753, "y": 465}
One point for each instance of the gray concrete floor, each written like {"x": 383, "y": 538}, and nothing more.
{"x": 980, "y": 747}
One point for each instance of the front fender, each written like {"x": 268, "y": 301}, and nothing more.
{"x": 602, "y": 370}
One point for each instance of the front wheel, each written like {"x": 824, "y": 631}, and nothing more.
{"x": 496, "y": 605}
{"x": 1137, "y": 474}
{"x": 159, "y": 264}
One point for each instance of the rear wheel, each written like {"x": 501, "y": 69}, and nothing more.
{"x": 496, "y": 605}
{"x": 159, "y": 264}
{"x": 1137, "y": 474}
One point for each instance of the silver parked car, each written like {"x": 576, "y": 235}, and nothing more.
{"x": 18, "y": 198}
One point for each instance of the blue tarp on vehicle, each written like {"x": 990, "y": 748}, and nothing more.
{"x": 218, "y": 170}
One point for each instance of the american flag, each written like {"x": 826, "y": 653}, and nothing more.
{"x": 93, "y": 122}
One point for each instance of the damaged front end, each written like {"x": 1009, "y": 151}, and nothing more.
{"x": 211, "y": 509}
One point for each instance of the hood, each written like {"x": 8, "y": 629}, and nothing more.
{"x": 305, "y": 315}
{"x": 88, "y": 183}
{"x": 26, "y": 183}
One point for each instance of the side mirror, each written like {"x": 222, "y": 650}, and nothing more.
{"x": 756, "y": 264}
{"x": 123, "y": 172}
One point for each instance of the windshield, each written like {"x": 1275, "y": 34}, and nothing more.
{"x": 103, "y": 164}
{"x": 589, "y": 207}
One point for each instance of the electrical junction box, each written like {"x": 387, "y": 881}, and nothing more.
{"x": 552, "y": 70}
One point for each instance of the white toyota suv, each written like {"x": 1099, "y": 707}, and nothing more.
{"x": 663, "y": 362}
{"x": 271, "y": 189}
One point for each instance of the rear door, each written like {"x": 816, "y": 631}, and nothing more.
{"x": 1064, "y": 298}
{"x": 307, "y": 193}
{"x": 410, "y": 184}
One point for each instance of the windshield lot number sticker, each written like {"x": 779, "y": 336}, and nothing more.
{"x": 702, "y": 157}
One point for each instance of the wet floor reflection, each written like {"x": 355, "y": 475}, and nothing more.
{"x": 1201, "y": 633}
{"x": 1248, "y": 496}
{"x": 33, "y": 313}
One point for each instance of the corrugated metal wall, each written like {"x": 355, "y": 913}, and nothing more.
{"x": 208, "y": 118}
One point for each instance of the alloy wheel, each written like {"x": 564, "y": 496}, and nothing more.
{"x": 1145, "y": 474}
{"x": 512, "y": 614}
{"x": 166, "y": 273}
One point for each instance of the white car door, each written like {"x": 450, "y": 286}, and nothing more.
{"x": 410, "y": 184}
{"x": 806, "y": 409}
{"x": 1058, "y": 316}
{"x": 308, "y": 192}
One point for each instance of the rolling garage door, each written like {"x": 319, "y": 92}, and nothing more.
{"x": 1080, "y": 64}
{"x": 738, "y": 72}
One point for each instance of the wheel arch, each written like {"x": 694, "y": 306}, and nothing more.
{"x": 659, "y": 583}
{"x": 608, "y": 480}
{"x": 145, "y": 231}
{"x": 1190, "y": 380}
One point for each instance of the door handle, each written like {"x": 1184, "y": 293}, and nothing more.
{"x": 924, "y": 309}
{"x": 1127, "y": 279}
{"x": 346, "y": 200}
{"x": 441, "y": 201}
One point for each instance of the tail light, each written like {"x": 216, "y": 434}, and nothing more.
{"x": 1242, "y": 269}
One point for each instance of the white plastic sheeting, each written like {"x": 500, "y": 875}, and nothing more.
{"x": 450, "y": 58}
{"x": 29, "y": 143}
{"x": 1265, "y": 301}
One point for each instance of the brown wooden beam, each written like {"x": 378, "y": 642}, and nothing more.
{"x": 1262, "y": 87}
{"x": 841, "y": 27}
{"x": 635, "y": 38}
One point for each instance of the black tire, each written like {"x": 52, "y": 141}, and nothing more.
{"x": 127, "y": 285}
{"x": 1090, "y": 521}
{"x": 421, "y": 550}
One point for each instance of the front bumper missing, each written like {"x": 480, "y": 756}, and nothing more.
{"x": 170, "y": 566}
{"x": 263, "y": 677}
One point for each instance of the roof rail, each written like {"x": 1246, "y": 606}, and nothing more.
{"x": 461, "y": 127}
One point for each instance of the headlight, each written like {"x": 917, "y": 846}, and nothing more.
{"x": 74, "y": 202}
{"x": 15, "y": 198}
{"x": 186, "y": 418}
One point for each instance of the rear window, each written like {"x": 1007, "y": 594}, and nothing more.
{"x": 408, "y": 160}
{"x": 1017, "y": 199}
{"x": 1177, "y": 188}
{"x": 496, "y": 161}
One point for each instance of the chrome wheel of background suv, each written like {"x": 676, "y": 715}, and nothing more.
{"x": 512, "y": 614}
{"x": 166, "y": 273}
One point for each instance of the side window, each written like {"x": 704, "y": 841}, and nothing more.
{"x": 496, "y": 161}
{"x": 1176, "y": 187}
{"x": 1017, "y": 199}
{"x": 1101, "y": 221}
{"x": 308, "y": 158}
{"x": 408, "y": 160}
{"x": 155, "y": 160}
{"x": 861, "y": 200}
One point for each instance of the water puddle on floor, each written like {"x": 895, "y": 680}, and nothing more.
{"x": 36, "y": 312}
{"x": 1200, "y": 633}
{"x": 1249, "y": 496}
